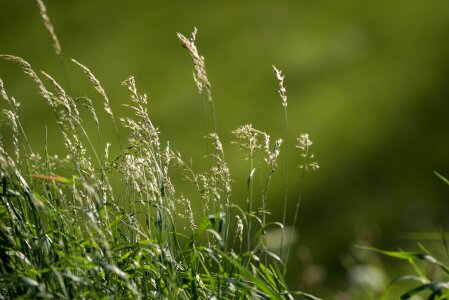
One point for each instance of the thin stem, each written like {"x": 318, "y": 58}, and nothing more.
{"x": 284, "y": 215}
{"x": 117, "y": 134}
{"x": 214, "y": 121}
{"x": 249, "y": 205}
{"x": 64, "y": 72}
{"x": 295, "y": 216}
{"x": 205, "y": 127}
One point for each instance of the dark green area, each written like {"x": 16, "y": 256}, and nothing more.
{"x": 367, "y": 80}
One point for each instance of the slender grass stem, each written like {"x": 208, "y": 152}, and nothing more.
{"x": 295, "y": 217}
{"x": 250, "y": 201}
{"x": 214, "y": 119}
{"x": 206, "y": 131}
{"x": 284, "y": 213}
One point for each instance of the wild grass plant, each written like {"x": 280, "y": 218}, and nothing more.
{"x": 429, "y": 274}
{"x": 85, "y": 236}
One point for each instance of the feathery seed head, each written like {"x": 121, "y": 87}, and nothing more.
{"x": 273, "y": 156}
{"x": 249, "y": 138}
{"x": 199, "y": 75}
{"x": 3, "y": 91}
{"x": 96, "y": 83}
{"x": 49, "y": 26}
{"x": 303, "y": 142}
{"x": 239, "y": 230}
{"x": 26, "y": 68}
{"x": 282, "y": 91}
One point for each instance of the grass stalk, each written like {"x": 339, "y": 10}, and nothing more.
{"x": 284, "y": 213}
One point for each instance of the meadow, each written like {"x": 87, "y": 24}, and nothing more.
{"x": 99, "y": 202}
{"x": 77, "y": 237}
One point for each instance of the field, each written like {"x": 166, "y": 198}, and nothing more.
{"x": 110, "y": 192}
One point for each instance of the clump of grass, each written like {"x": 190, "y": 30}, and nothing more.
{"x": 429, "y": 279}
{"x": 80, "y": 236}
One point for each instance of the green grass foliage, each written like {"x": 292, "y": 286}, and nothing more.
{"x": 114, "y": 226}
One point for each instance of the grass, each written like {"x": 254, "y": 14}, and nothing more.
{"x": 97, "y": 224}
{"x": 429, "y": 277}
{"x": 87, "y": 235}
{"x": 429, "y": 280}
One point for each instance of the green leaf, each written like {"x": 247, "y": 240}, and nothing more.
{"x": 402, "y": 278}
{"x": 305, "y": 295}
{"x": 259, "y": 283}
{"x": 410, "y": 256}
{"x": 444, "y": 179}
{"x": 433, "y": 286}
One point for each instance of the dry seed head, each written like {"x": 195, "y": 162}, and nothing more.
{"x": 302, "y": 145}
{"x": 189, "y": 212}
{"x": 55, "y": 84}
{"x": 217, "y": 143}
{"x": 199, "y": 76}
{"x": 221, "y": 170}
{"x": 3, "y": 91}
{"x": 12, "y": 118}
{"x": 303, "y": 142}
{"x": 62, "y": 97}
{"x": 282, "y": 91}
{"x": 15, "y": 104}
{"x": 87, "y": 103}
{"x": 49, "y": 26}
{"x": 26, "y": 68}
{"x": 248, "y": 139}
{"x": 106, "y": 151}
{"x": 239, "y": 230}
{"x": 313, "y": 166}
{"x": 130, "y": 83}
{"x": 267, "y": 143}
{"x": 272, "y": 158}
{"x": 96, "y": 84}
{"x": 11, "y": 101}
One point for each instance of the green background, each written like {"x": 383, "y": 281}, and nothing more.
{"x": 368, "y": 80}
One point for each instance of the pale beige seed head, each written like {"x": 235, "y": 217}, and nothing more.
{"x": 281, "y": 91}
{"x": 96, "y": 83}
{"x": 49, "y": 26}
{"x": 26, "y": 68}
{"x": 272, "y": 158}
{"x": 239, "y": 230}
{"x": 199, "y": 75}
{"x": 12, "y": 118}
{"x": 303, "y": 143}
{"x": 3, "y": 91}
{"x": 106, "y": 151}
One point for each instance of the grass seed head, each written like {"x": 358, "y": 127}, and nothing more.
{"x": 26, "y": 68}
{"x": 303, "y": 143}
{"x": 199, "y": 75}
{"x": 96, "y": 83}
{"x": 282, "y": 91}
{"x": 3, "y": 91}
{"x": 49, "y": 26}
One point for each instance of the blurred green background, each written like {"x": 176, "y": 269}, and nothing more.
{"x": 368, "y": 80}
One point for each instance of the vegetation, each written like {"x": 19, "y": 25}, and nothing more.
{"x": 113, "y": 226}
{"x": 430, "y": 272}
{"x": 95, "y": 223}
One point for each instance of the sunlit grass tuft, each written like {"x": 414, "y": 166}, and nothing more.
{"x": 84, "y": 235}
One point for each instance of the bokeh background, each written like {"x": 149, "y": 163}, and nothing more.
{"x": 368, "y": 80}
